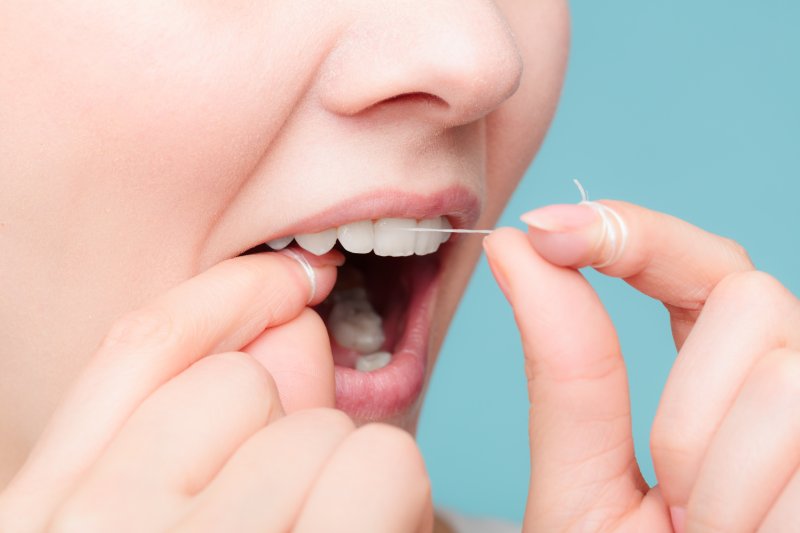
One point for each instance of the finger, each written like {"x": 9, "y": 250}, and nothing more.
{"x": 754, "y": 453}
{"x": 298, "y": 356}
{"x": 660, "y": 255}
{"x": 222, "y": 308}
{"x": 265, "y": 483}
{"x": 172, "y": 445}
{"x": 375, "y": 481}
{"x": 748, "y": 315}
{"x": 580, "y": 427}
{"x": 784, "y": 515}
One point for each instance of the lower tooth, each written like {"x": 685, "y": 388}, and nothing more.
{"x": 373, "y": 361}
{"x": 355, "y": 324}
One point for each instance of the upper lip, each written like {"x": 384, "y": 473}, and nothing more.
{"x": 459, "y": 204}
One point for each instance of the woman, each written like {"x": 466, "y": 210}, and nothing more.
{"x": 156, "y": 376}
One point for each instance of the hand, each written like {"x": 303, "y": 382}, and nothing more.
{"x": 726, "y": 439}
{"x": 211, "y": 410}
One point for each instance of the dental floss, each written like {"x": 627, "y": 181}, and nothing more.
{"x": 615, "y": 231}
{"x": 616, "y": 234}
{"x": 307, "y": 268}
{"x": 484, "y": 231}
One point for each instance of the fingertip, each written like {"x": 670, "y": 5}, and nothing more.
{"x": 320, "y": 270}
{"x": 567, "y": 235}
{"x": 678, "y": 516}
{"x": 517, "y": 266}
{"x": 573, "y": 250}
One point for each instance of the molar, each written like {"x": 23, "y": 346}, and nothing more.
{"x": 355, "y": 324}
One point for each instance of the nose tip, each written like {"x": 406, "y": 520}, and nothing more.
{"x": 452, "y": 61}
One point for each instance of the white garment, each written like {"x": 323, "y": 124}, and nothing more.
{"x": 471, "y": 524}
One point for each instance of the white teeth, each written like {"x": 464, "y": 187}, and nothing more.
{"x": 317, "y": 243}
{"x": 279, "y": 244}
{"x": 374, "y": 361}
{"x": 354, "y": 323}
{"x": 428, "y": 241}
{"x": 384, "y": 236}
{"x": 392, "y": 243}
{"x": 445, "y": 225}
{"x": 357, "y": 237}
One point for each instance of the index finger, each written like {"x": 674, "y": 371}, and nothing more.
{"x": 659, "y": 255}
{"x": 219, "y": 310}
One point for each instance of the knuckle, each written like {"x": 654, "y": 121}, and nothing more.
{"x": 240, "y": 371}
{"x": 738, "y": 253}
{"x": 749, "y": 287}
{"x": 313, "y": 321}
{"x": 670, "y": 446}
{"x": 399, "y": 449}
{"x": 141, "y": 329}
{"x": 708, "y": 517}
{"x": 328, "y": 420}
{"x": 780, "y": 373}
{"x": 75, "y": 517}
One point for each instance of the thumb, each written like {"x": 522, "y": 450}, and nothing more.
{"x": 298, "y": 355}
{"x": 582, "y": 458}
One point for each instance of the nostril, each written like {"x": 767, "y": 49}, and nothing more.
{"x": 417, "y": 98}
{"x": 459, "y": 71}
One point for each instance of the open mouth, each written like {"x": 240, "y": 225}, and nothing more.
{"x": 379, "y": 312}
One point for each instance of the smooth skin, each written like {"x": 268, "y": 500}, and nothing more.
{"x": 726, "y": 439}
{"x": 169, "y": 429}
{"x": 143, "y": 144}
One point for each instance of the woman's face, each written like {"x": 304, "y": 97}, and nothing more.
{"x": 143, "y": 142}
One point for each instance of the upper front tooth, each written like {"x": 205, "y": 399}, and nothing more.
{"x": 279, "y": 244}
{"x": 357, "y": 237}
{"x": 445, "y": 225}
{"x": 381, "y": 236}
{"x": 428, "y": 241}
{"x": 317, "y": 243}
{"x": 393, "y": 243}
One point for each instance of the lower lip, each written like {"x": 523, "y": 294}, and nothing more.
{"x": 393, "y": 389}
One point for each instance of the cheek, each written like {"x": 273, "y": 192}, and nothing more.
{"x": 151, "y": 101}
{"x": 516, "y": 130}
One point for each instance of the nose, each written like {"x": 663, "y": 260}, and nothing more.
{"x": 448, "y": 61}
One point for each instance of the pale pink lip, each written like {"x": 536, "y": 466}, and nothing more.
{"x": 458, "y": 203}
{"x": 392, "y": 390}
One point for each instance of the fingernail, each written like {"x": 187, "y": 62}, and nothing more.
{"x": 332, "y": 258}
{"x": 678, "y": 515}
{"x": 561, "y": 218}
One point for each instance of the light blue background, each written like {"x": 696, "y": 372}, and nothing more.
{"x": 691, "y": 107}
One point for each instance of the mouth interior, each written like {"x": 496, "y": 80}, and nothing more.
{"x": 383, "y": 286}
